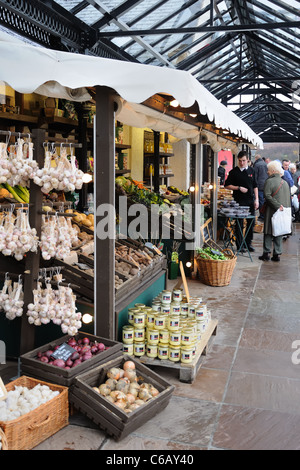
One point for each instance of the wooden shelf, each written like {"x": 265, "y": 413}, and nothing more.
{"x": 161, "y": 155}
{"x": 18, "y": 117}
{"x": 122, "y": 146}
{"x": 123, "y": 172}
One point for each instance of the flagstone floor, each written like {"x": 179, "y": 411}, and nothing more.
{"x": 246, "y": 394}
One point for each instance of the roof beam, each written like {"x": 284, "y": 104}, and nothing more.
{"x": 200, "y": 29}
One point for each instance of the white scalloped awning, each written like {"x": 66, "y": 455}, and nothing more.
{"x": 29, "y": 69}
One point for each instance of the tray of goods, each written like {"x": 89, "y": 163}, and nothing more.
{"x": 62, "y": 360}
{"x": 33, "y": 411}
{"x": 120, "y": 395}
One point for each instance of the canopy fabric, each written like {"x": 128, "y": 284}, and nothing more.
{"x": 29, "y": 69}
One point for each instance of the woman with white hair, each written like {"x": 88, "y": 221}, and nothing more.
{"x": 277, "y": 196}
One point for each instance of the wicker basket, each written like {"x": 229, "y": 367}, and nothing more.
{"x": 31, "y": 429}
{"x": 3, "y": 440}
{"x": 216, "y": 272}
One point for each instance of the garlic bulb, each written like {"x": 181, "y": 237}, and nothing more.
{"x": 57, "y": 237}
{"x": 22, "y": 400}
{"x": 65, "y": 176}
{"x": 58, "y": 306}
{"x": 16, "y": 235}
{"x": 11, "y": 299}
{"x": 22, "y": 168}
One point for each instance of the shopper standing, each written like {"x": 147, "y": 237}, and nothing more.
{"x": 277, "y": 196}
{"x": 241, "y": 180}
{"x": 261, "y": 174}
{"x": 222, "y": 172}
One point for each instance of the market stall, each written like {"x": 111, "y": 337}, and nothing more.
{"x": 123, "y": 95}
{"x": 139, "y": 96}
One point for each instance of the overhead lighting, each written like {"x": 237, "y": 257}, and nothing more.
{"x": 87, "y": 318}
{"x": 193, "y": 115}
{"x": 192, "y": 189}
{"x": 174, "y": 103}
{"x": 87, "y": 178}
{"x": 188, "y": 264}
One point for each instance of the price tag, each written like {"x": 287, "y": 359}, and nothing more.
{"x": 3, "y": 391}
{"x": 63, "y": 352}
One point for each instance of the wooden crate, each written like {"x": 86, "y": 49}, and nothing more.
{"x": 32, "y": 428}
{"x": 32, "y": 367}
{"x": 187, "y": 372}
{"x": 106, "y": 415}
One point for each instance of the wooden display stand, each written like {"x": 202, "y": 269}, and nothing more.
{"x": 187, "y": 372}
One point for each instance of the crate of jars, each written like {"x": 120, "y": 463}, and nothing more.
{"x": 61, "y": 360}
{"x": 171, "y": 332}
{"x": 120, "y": 395}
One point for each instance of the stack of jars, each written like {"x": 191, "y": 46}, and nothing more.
{"x": 170, "y": 329}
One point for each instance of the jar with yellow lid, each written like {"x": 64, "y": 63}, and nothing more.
{"x": 187, "y": 354}
{"x": 150, "y": 318}
{"x": 139, "y": 320}
{"x": 163, "y": 351}
{"x": 166, "y": 296}
{"x": 139, "y": 349}
{"x": 175, "y": 338}
{"x": 131, "y": 312}
{"x": 177, "y": 295}
{"x": 175, "y": 308}
{"x": 174, "y": 353}
{"x": 139, "y": 305}
{"x": 128, "y": 349}
{"x": 187, "y": 336}
{"x": 202, "y": 326}
{"x": 200, "y": 312}
{"x": 184, "y": 309}
{"x": 164, "y": 336}
{"x": 127, "y": 334}
{"x": 156, "y": 306}
{"x": 160, "y": 322}
{"x": 165, "y": 309}
{"x": 191, "y": 312}
{"x": 173, "y": 322}
{"x": 139, "y": 335}
{"x": 152, "y": 350}
{"x": 152, "y": 336}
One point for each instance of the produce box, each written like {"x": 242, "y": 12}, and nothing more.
{"x": 33, "y": 367}
{"x": 29, "y": 430}
{"x": 112, "y": 419}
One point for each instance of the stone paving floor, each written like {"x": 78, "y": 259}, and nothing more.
{"x": 246, "y": 394}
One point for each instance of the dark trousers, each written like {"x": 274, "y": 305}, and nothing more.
{"x": 249, "y": 236}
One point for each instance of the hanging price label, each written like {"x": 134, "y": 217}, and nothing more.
{"x": 3, "y": 391}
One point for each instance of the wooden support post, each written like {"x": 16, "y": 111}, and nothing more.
{"x": 32, "y": 263}
{"x": 156, "y": 161}
{"x": 104, "y": 201}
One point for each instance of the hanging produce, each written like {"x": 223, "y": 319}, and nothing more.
{"x": 17, "y": 166}
{"x": 16, "y": 235}
{"x": 11, "y": 298}
{"x": 64, "y": 176}
{"x": 57, "y": 237}
{"x": 56, "y": 305}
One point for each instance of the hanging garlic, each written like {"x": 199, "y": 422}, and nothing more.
{"x": 13, "y": 305}
{"x": 65, "y": 176}
{"x": 18, "y": 237}
{"x": 22, "y": 168}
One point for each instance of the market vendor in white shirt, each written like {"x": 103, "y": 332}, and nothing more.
{"x": 241, "y": 180}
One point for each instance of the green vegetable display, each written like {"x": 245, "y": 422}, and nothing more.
{"x": 210, "y": 253}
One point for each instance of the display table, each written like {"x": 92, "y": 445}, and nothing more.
{"x": 229, "y": 224}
